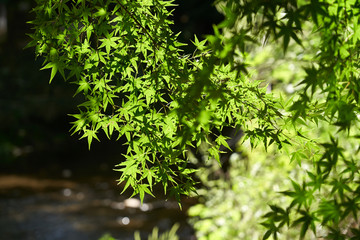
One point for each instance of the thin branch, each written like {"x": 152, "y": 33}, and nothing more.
{"x": 138, "y": 23}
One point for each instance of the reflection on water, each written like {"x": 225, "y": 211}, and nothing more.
{"x": 32, "y": 208}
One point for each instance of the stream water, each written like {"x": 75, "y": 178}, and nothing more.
{"x": 67, "y": 208}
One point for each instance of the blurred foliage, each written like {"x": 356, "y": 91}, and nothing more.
{"x": 324, "y": 194}
{"x": 155, "y": 235}
{"x": 168, "y": 235}
{"x": 107, "y": 237}
{"x": 232, "y": 205}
